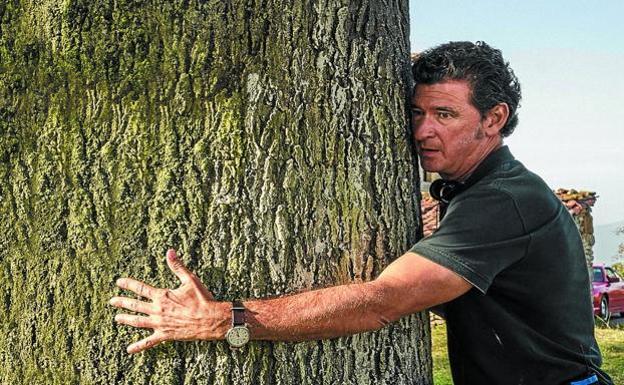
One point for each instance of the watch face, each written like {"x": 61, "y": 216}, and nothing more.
{"x": 237, "y": 336}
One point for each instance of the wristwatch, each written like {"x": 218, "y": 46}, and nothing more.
{"x": 238, "y": 335}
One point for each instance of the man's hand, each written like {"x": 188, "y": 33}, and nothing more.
{"x": 186, "y": 313}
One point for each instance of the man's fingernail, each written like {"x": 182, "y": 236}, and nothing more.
{"x": 171, "y": 254}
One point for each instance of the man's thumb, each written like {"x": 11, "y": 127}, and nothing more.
{"x": 177, "y": 267}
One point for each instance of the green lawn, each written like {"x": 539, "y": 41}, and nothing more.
{"x": 441, "y": 367}
{"x": 611, "y": 343}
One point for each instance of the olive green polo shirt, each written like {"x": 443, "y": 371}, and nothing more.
{"x": 528, "y": 318}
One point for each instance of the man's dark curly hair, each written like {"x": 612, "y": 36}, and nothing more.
{"x": 491, "y": 79}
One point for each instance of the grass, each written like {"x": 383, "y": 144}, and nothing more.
{"x": 441, "y": 366}
{"x": 610, "y": 340}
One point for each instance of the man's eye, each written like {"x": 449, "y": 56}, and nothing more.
{"x": 417, "y": 113}
{"x": 444, "y": 115}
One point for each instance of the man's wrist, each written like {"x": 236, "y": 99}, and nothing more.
{"x": 221, "y": 322}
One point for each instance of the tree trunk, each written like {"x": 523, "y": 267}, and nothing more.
{"x": 267, "y": 141}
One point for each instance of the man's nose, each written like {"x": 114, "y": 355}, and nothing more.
{"x": 422, "y": 128}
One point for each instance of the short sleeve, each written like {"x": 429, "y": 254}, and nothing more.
{"x": 481, "y": 235}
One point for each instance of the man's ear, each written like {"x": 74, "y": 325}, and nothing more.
{"x": 496, "y": 119}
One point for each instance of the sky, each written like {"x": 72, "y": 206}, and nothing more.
{"x": 569, "y": 57}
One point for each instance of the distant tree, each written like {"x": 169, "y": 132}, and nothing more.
{"x": 619, "y": 267}
{"x": 620, "y": 254}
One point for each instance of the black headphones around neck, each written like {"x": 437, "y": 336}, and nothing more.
{"x": 445, "y": 190}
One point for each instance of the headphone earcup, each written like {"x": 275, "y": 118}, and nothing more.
{"x": 435, "y": 188}
{"x": 445, "y": 190}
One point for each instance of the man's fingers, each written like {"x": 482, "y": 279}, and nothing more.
{"x": 140, "y": 288}
{"x": 135, "y": 320}
{"x": 145, "y": 343}
{"x": 132, "y": 305}
{"x": 178, "y": 268}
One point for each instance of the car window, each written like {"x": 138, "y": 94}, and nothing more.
{"x": 598, "y": 276}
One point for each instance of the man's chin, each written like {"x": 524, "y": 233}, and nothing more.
{"x": 433, "y": 169}
{"x": 428, "y": 165}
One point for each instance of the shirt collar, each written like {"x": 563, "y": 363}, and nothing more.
{"x": 493, "y": 160}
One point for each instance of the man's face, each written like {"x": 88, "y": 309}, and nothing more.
{"x": 447, "y": 128}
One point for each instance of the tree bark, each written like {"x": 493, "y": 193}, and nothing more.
{"x": 267, "y": 141}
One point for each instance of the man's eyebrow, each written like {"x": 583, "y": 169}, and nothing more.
{"x": 445, "y": 109}
{"x": 438, "y": 108}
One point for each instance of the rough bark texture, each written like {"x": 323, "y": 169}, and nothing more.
{"x": 265, "y": 140}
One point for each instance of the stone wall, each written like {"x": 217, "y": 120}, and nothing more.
{"x": 579, "y": 205}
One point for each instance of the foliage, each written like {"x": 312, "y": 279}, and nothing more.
{"x": 619, "y": 267}
{"x": 620, "y": 254}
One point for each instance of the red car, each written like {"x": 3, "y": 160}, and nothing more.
{"x": 607, "y": 291}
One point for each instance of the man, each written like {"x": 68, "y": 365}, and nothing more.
{"x": 506, "y": 263}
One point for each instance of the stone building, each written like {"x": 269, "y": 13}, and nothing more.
{"x": 579, "y": 205}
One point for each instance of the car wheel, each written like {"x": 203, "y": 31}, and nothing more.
{"x": 604, "y": 308}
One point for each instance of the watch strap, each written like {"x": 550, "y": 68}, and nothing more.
{"x": 238, "y": 313}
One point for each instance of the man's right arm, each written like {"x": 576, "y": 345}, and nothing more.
{"x": 410, "y": 284}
